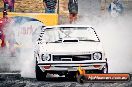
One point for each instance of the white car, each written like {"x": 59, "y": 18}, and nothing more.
{"x": 62, "y": 49}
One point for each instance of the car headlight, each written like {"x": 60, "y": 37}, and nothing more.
{"x": 45, "y": 57}
{"x": 97, "y": 56}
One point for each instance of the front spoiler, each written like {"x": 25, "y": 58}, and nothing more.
{"x": 72, "y": 65}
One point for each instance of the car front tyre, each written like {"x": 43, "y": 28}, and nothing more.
{"x": 71, "y": 76}
{"x": 81, "y": 79}
{"x": 40, "y": 75}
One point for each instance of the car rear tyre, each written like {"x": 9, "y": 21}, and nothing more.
{"x": 105, "y": 69}
{"x": 40, "y": 76}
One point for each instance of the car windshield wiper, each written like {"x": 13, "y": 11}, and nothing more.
{"x": 58, "y": 41}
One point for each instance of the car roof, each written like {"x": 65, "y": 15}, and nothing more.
{"x": 68, "y": 25}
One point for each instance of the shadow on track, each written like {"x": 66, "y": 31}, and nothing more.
{"x": 52, "y": 79}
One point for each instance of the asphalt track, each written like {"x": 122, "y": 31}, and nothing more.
{"x": 15, "y": 80}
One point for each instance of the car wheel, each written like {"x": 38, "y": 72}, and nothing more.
{"x": 105, "y": 69}
{"x": 80, "y": 79}
{"x": 40, "y": 75}
{"x": 71, "y": 76}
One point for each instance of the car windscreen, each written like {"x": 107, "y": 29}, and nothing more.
{"x": 81, "y": 33}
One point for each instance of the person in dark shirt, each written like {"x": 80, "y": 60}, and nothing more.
{"x": 11, "y": 5}
{"x": 50, "y": 6}
{"x": 73, "y": 10}
{"x": 5, "y": 4}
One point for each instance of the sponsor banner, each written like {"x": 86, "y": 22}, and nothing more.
{"x": 108, "y": 77}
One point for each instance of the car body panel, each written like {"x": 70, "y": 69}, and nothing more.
{"x": 69, "y": 48}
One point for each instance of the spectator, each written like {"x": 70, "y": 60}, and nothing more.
{"x": 73, "y": 10}
{"x": 2, "y": 39}
{"x": 115, "y": 8}
{"x": 5, "y": 4}
{"x": 50, "y": 6}
{"x": 5, "y": 13}
{"x": 11, "y": 5}
{"x": 5, "y": 18}
{"x": 2, "y": 25}
{"x": 12, "y": 43}
{"x": 2, "y": 42}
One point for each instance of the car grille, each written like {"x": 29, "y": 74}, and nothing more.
{"x": 71, "y": 57}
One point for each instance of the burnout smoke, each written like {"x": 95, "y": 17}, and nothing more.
{"x": 27, "y": 54}
{"x": 115, "y": 34}
{"x": 24, "y": 60}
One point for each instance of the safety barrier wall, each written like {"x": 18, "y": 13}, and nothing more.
{"x": 47, "y": 19}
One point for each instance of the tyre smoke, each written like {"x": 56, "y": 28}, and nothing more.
{"x": 115, "y": 34}
{"x": 24, "y": 60}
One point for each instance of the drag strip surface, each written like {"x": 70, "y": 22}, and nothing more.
{"x": 15, "y": 80}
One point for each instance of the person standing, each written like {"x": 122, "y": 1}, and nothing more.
{"x": 12, "y": 42}
{"x": 5, "y": 4}
{"x": 2, "y": 42}
{"x": 49, "y": 5}
{"x": 11, "y": 5}
{"x": 2, "y": 39}
{"x": 73, "y": 10}
{"x": 5, "y": 13}
{"x": 115, "y": 8}
{"x": 2, "y": 33}
{"x": 3, "y": 22}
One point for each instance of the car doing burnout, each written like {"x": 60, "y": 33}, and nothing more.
{"x": 62, "y": 49}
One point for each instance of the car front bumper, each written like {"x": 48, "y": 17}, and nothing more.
{"x": 72, "y": 65}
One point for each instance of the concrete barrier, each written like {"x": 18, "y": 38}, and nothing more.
{"x": 47, "y": 19}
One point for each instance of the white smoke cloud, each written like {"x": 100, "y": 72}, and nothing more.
{"x": 27, "y": 51}
{"x": 118, "y": 44}
{"x": 115, "y": 34}
{"x": 24, "y": 60}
